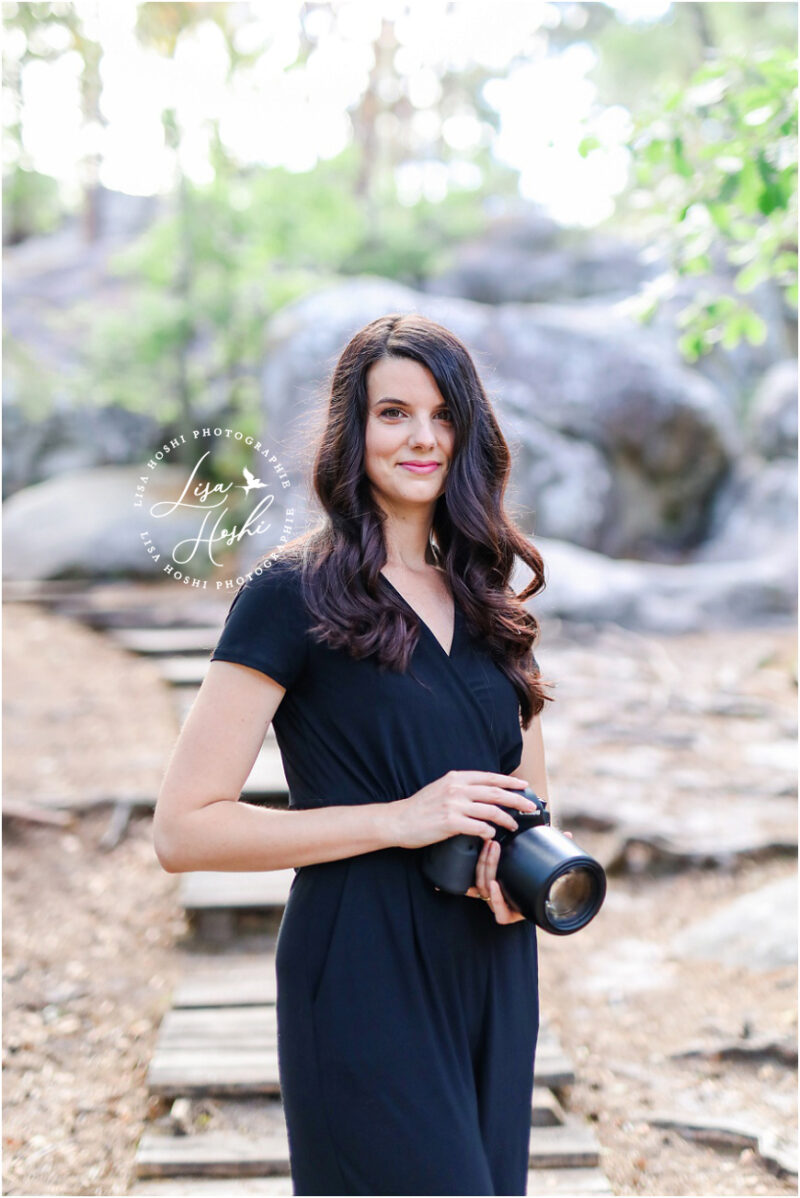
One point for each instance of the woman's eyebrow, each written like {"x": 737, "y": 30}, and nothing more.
{"x": 404, "y": 402}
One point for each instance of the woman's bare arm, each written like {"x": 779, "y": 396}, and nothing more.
{"x": 532, "y": 764}
{"x": 199, "y": 823}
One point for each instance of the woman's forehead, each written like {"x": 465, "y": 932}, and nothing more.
{"x": 401, "y": 379}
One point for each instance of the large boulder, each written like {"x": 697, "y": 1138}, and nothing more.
{"x": 773, "y": 414}
{"x": 527, "y": 257}
{"x": 758, "y": 930}
{"x": 659, "y": 597}
{"x": 571, "y": 479}
{"x": 754, "y": 512}
{"x": 656, "y": 437}
{"x": 84, "y": 524}
{"x": 69, "y": 438}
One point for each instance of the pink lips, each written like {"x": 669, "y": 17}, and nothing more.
{"x": 421, "y": 467}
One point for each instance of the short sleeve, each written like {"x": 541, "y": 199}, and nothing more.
{"x": 266, "y": 624}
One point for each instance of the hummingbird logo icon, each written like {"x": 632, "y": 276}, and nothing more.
{"x": 252, "y": 483}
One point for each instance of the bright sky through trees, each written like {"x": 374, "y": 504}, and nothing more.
{"x": 269, "y": 116}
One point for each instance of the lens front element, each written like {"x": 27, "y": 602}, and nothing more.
{"x": 571, "y": 897}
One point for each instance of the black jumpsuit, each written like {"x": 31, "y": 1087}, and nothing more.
{"x": 407, "y": 1016}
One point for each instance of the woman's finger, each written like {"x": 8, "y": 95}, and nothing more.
{"x": 479, "y": 888}
{"x": 487, "y": 887}
{"x": 481, "y": 870}
{"x": 502, "y": 912}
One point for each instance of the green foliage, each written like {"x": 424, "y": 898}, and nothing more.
{"x": 202, "y": 283}
{"x": 28, "y": 380}
{"x": 31, "y": 204}
{"x": 718, "y": 167}
{"x": 411, "y": 242}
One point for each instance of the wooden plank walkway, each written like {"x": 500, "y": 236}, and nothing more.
{"x": 234, "y": 1050}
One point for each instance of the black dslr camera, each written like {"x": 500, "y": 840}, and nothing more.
{"x": 546, "y": 876}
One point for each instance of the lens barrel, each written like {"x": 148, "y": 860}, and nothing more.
{"x": 546, "y": 876}
{"x": 551, "y": 880}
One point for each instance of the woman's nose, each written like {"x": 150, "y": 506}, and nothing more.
{"x": 422, "y": 434}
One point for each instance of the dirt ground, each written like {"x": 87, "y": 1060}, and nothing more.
{"x": 92, "y": 950}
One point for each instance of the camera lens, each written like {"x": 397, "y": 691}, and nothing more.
{"x": 570, "y": 895}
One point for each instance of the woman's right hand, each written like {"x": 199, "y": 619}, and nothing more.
{"x": 461, "y": 801}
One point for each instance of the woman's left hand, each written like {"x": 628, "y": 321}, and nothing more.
{"x": 488, "y": 888}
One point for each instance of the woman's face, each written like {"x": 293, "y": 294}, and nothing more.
{"x": 407, "y": 422}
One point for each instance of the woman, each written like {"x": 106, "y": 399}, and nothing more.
{"x": 396, "y": 661}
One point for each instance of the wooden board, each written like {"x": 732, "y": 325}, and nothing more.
{"x": 213, "y": 1187}
{"x": 572, "y": 1183}
{"x": 211, "y": 1153}
{"x": 233, "y": 1050}
{"x": 575, "y": 1183}
{"x": 546, "y": 1110}
{"x": 231, "y": 1154}
{"x": 184, "y": 670}
{"x": 41, "y": 590}
{"x": 204, "y": 890}
{"x": 226, "y": 1024}
{"x": 227, "y": 981}
{"x": 167, "y": 642}
{"x": 172, "y": 1074}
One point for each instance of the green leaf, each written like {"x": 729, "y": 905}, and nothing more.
{"x": 755, "y": 329}
{"x": 680, "y": 163}
{"x": 587, "y": 144}
{"x": 751, "y": 275}
{"x": 654, "y": 152}
{"x": 691, "y": 345}
{"x": 720, "y": 216}
{"x": 730, "y": 187}
{"x": 785, "y": 261}
{"x": 700, "y": 264}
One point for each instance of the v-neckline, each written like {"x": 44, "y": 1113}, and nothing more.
{"x": 425, "y": 626}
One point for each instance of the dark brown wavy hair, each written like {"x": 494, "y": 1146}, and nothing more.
{"x": 472, "y": 538}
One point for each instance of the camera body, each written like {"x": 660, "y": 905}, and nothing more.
{"x": 454, "y": 861}
{"x": 541, "y": 872}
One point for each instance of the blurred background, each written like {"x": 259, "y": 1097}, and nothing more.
{"x": 202, "y": 203}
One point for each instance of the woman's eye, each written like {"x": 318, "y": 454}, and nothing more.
{"x": 397, "y": 411}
